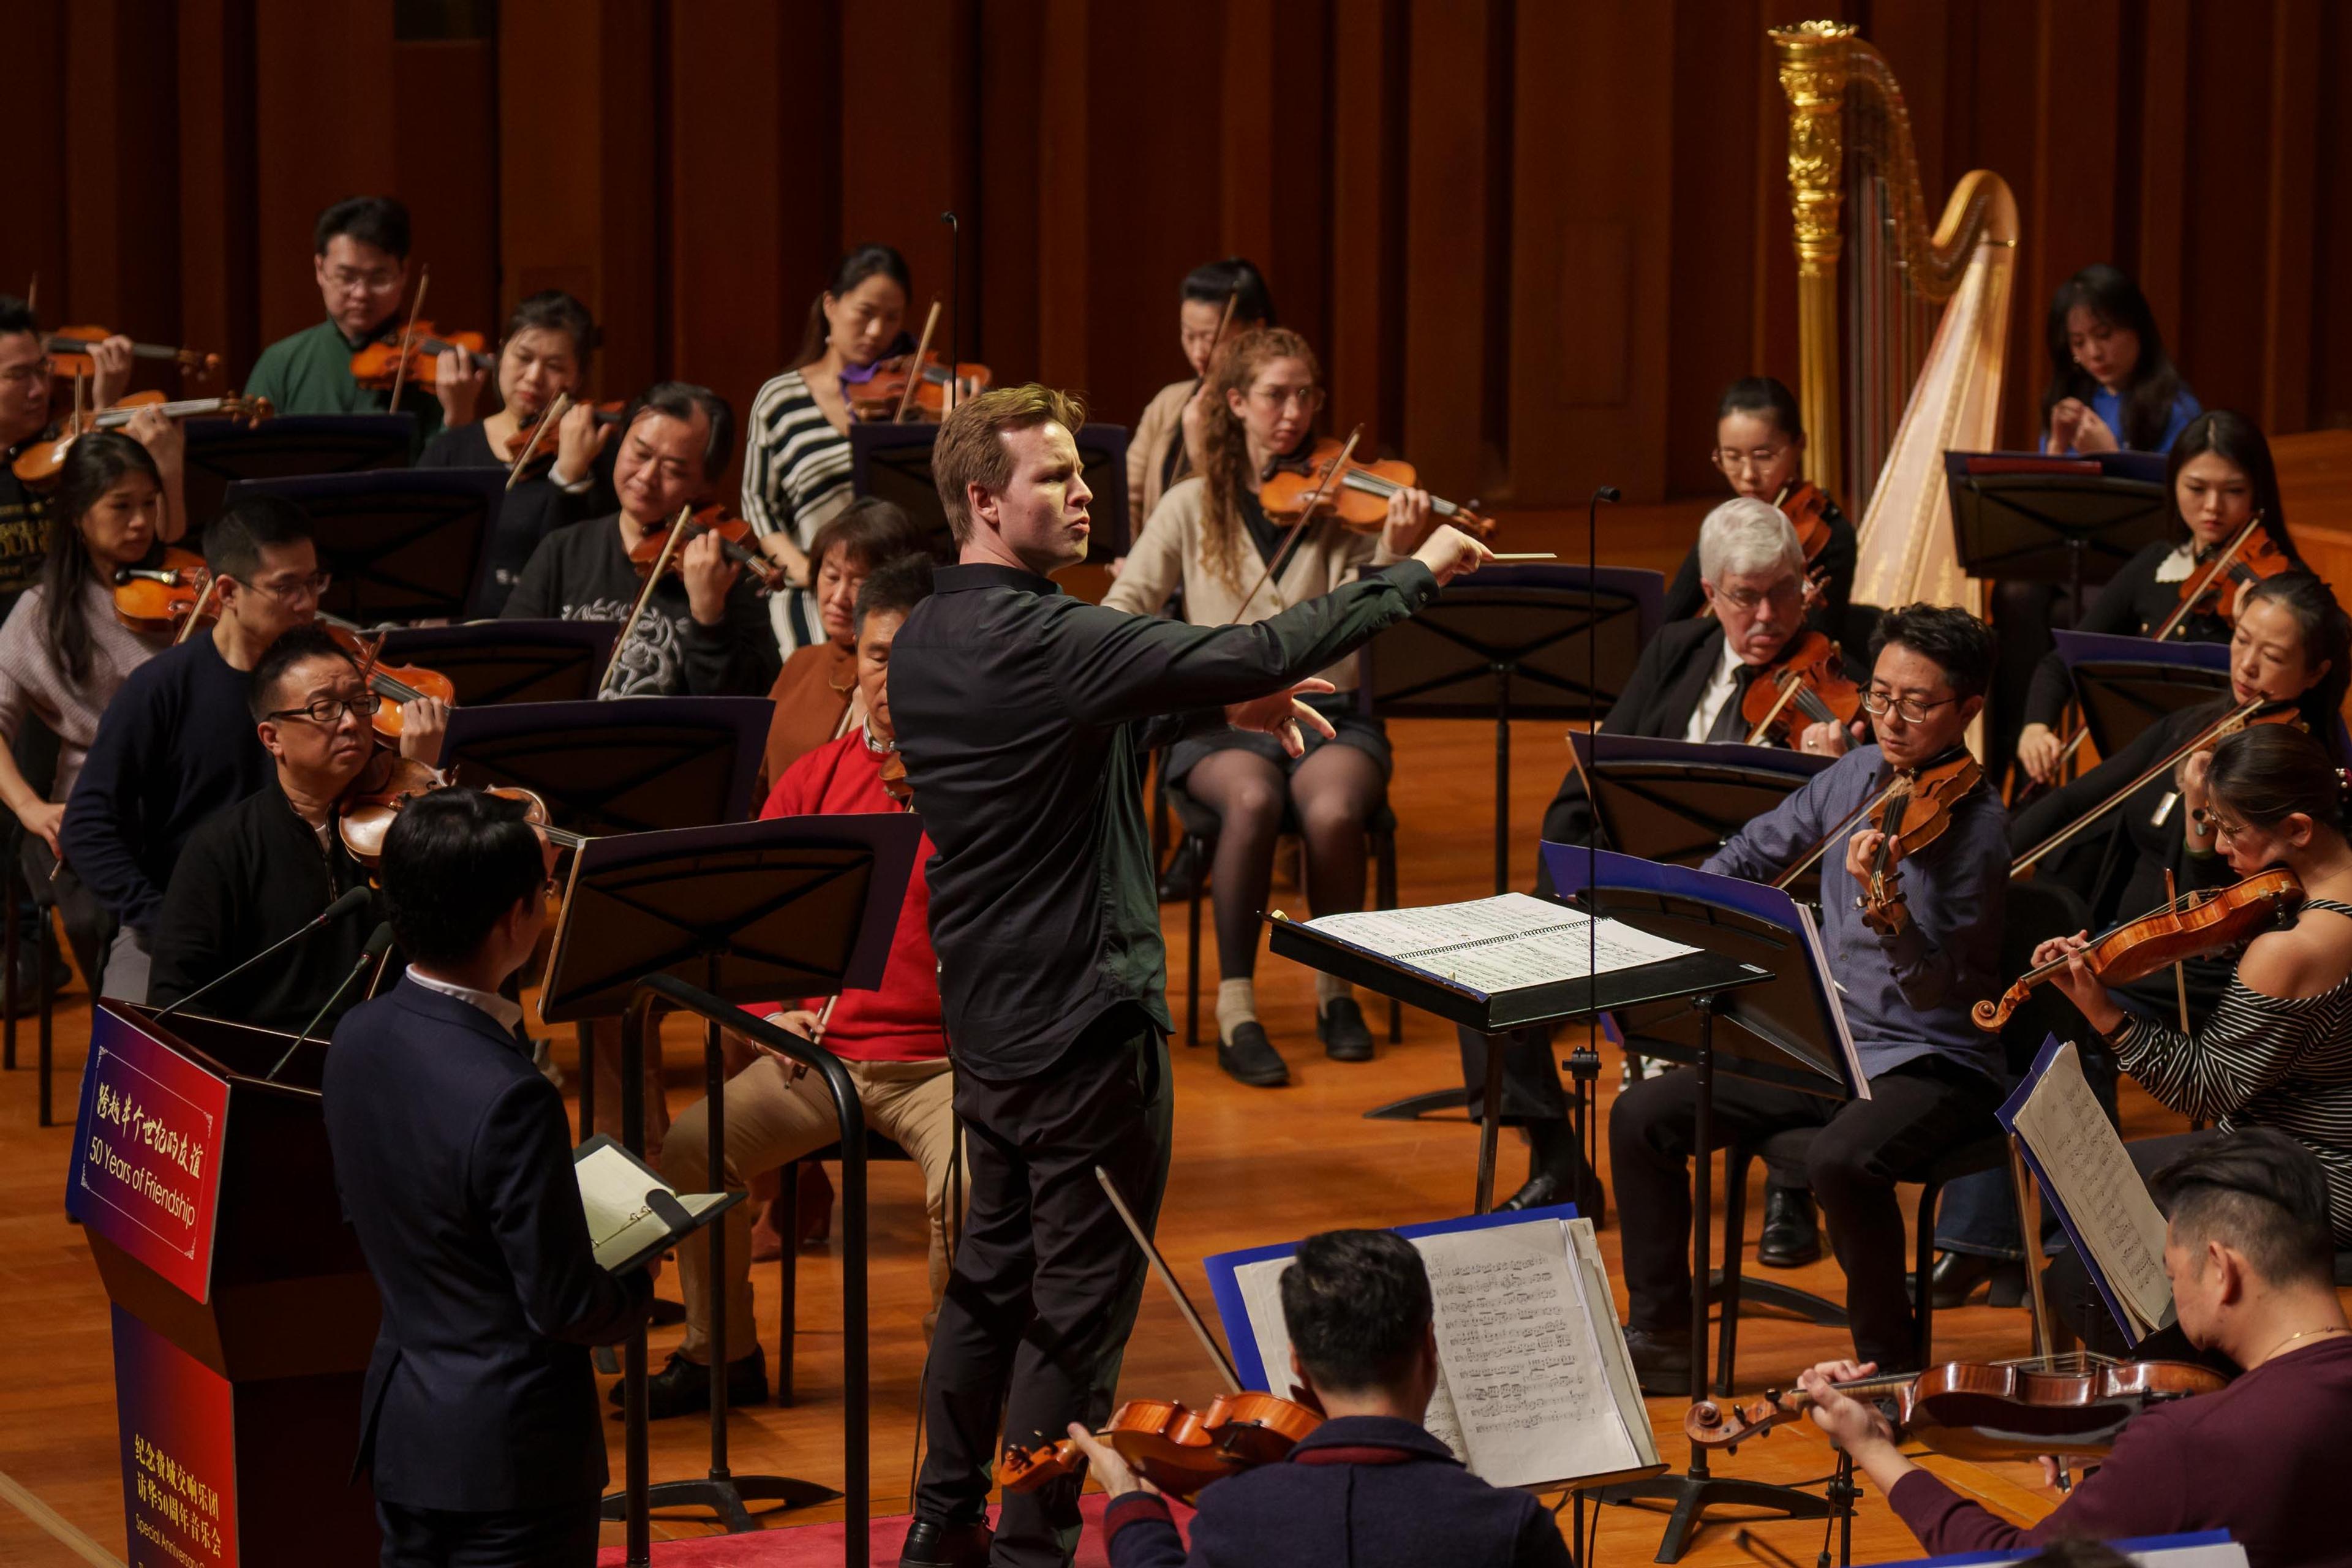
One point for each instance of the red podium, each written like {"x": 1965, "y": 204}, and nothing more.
{"x": 244, "y": 1313}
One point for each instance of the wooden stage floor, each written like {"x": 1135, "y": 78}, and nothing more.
{"x": 1250, "y": 1166}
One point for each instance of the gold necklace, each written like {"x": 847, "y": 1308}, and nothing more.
{"x": 2307, "y": 1333}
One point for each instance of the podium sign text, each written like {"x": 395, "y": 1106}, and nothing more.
{"x": 146, "y": 1156}
{"x": 179, "y": 1452}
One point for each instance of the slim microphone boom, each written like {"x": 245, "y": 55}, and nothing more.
{"x": 379, "y": 942}
{"x": 356, "y": 899}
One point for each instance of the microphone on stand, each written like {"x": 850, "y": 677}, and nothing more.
{"x": 356, "y": 899}
{"x": 1592, "y": 684}
{"x": 379, "y": 942}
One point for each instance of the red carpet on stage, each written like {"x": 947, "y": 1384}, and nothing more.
{"x": 819, "y": 1545}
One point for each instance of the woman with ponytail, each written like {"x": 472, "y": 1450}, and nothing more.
{"x": 1210, "y": 537}
{"x": 796, "y": 452}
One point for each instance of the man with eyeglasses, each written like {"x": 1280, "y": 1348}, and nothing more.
{"x": 266, "y": 867}
{"x": 1935, "y": 1078}
{"x": 1687, "y": 686}
{"x": 361, "y": 269}
{"x": 177, "y": 744}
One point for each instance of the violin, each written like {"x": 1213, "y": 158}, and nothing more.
{"x": 412, "y": 354}
{"x": 934, "y": 390}
{"x": 1806, "y": 685}
{"x": 1807, "y": 507}
{"x": 1175, "y": 1448}
{"x": 1912, "y": 812}
{"x": 364, "y": 815}
{"x": 2189, "y": 926}
{"x": 69, "y": 350}
{"x": 395, "y": 683}
{"x": 534, "y": 441}
{"x": 37, "y": 466}
{"x": 655, "y": 552}
{"x": 1328, "y": 480}
{"x": 2069, "y": 1406}
{"x": 2218, "y": 585}
{"x": 162, "y": 600}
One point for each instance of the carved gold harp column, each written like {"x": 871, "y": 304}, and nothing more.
{"x": 1902, "y": 329}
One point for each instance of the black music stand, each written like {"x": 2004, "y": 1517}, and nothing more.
{"x": 1790, "y": 1031}
{"x": 751, "y": 911}
{"x": 1511, "y": 643}
{"x": 894, "y": 461}
{"x": 1678, "y": 801}
{"x": 2126, "y": 684}
{"x": 222, "y": 452}
{"x": 636, "y": 766}
{"x": 490, "y": 662}
{"x": 407, "y": 545}
{"x": 2032, "y": 517}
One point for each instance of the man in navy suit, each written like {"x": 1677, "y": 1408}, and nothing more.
{"x": 1369, "y": 1488}
{"x": 480, "y": 1425}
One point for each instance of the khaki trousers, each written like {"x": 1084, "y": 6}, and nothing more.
{"x": 774, "y": 1118}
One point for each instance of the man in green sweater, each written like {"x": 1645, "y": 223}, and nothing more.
{"x": 362, "y": 264}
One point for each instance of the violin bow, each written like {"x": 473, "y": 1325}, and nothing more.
{"x": 915, "y": 369}
{"x": 554, "y": 411}
{"x": 2213, "y": 570}
{"x": 1307, "y": 513}
{"x": 645, "y": 594}
{"x": 1789, "y": 683}
{"x": 1160, "y": 1267}
{"x": 409, "y": 333}
{"x": 1856, "y": 814}
{"x": 196, "y": 614}
{"x": 2180, "y": 966}
{"x": 2229, "y": 723}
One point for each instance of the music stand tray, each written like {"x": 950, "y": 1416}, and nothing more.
{"x": 749, "y": 911}
{"x": 1515, "y": 642}
{"x": 1678, "y": 801}
{"x": 223, "y": 451}
{"x": 407, "y": 545}
{"x": 633, "y": 766}
{"x": 2032, "y": 517}
{"x": 491, "y": 662}
{"x": 2125, "y": 684}
{"x": 893, "y": 462}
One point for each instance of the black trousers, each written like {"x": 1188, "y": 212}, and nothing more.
{"x": 1915, "y": 1112}
{"x": 1046, "y": 1279}
{"x": 560, "y": 1536}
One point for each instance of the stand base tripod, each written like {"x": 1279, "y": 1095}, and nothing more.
{"x": 725, "y": 1496}
{"x": 1695, "y": 1492}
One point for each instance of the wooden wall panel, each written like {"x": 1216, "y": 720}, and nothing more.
{"x": 122, "y": 203}
{"x": 446, "y": 152}
{"x": 2223, "y": 279}
{"x": 1364, "y": 354}
{"x": 323, "y": 131}
{"x": 2287, "y": 253}
{"x": 218, "y": 265}
{"x": 2331, "y": 205}
{"x": 33, "y": 240}
{"x": 1453, "y": 87}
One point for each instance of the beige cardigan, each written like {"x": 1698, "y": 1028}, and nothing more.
{"x": 1162, "y": 426}
{"x": 1168, "y": 554}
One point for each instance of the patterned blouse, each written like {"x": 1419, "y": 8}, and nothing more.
{"x": 795, "y": 477}
{"x": 2263, "y": 1061}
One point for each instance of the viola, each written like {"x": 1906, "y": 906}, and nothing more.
{"x": 395, "y": 683}
{"x": 413, "y": 354}
{"x": 2069, "y": 1406}
{"x": 364, "y": 815}
{"x": 1806, "y": 685}
{"x": 887, "y": 397}
{"x": 2217, "y": 586}
{"x": 656, "y": 553}
{"x": 1807, "y": 507}
{"x": 161, "y": 599}
{"x": 1913, "y": 813}
{"x": 1328, "y": 480}
{"x": 69, "y": 350}
{"x": 38, "y": 465}
{"x": 2188, "y": 926}
{"x": 1175, "y": 1448}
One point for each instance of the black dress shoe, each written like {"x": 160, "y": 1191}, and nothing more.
{"x": 931, "y": 1544}
{"x": 1540, "y": 1190}
{"x": 1791, "y": 1237}
{"x": 1957, "y": 1276}
{"x": 683, "y": 1387}
{"x": 1341, "y": 1028}
{"x": 1662, "y": 1362}
{"x": 1250, "y": 1057}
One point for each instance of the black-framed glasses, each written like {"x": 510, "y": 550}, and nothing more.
{"x": 294, "y": 590}
{"x": 330, "y": 710}
{"x": 1877, "y": 704}
{"x": 1788, "y": 591}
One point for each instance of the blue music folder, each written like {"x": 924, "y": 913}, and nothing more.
{"x": 2203, "y": 1549}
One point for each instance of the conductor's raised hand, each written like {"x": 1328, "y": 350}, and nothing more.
{"x": 1280, "y": 714}
{"x": 1448, "y": 553}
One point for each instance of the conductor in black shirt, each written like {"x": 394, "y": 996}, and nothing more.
{"x": 1023, "y": 717}
{"x": 478, "y": 1423}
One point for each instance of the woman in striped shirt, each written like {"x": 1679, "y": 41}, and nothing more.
{"x": 2277, "y": 1050}
{"x": 796, "y": 452}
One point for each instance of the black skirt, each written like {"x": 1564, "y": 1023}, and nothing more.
{"x": 1355, "y": 727}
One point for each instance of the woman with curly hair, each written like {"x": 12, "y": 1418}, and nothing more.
{"x": 1209, "y": 537}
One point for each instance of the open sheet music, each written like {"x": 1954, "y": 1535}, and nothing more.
{"x": 1535, "y": 1387}
{"x": 633, "y": 1215}
{"x": 2079, "y": 1160}
{"x": 1497, "y": 944}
